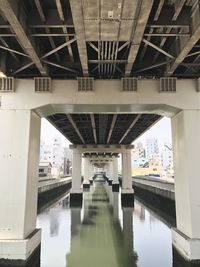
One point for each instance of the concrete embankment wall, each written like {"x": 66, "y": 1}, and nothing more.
{"x": 158, "y": 195}
{"x": 48, "y": 190}
{"x": 156, "y": 186}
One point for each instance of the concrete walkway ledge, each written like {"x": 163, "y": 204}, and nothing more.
{"x": 14, "y": 250}
{"x": 188, "y": 248}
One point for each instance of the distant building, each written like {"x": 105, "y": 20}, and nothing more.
{"x": 59, "y": 156}
{"x": 45, "y": 170}
{"x": 150, "y": 168}
{"x": 67, "y": 160}
{"x": 42, "y": 148}
{"x": 57, "y": 152}
{"x": 151, "y": 148}
{"x": 139, "y": 162}
{"x": 138, "y": 151}
{"x": 167, "y": 159}
{"x": 46, "y": 152}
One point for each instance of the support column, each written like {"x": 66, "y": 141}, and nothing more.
{"x": 76, "y": 193}
{"x": 116, "y": 206}
{"x": 127, "y": 194}
{"x": 91, "y": 172}
{"x": 186, "y": 147}
{"x": 110, "y": 172}
{"x": 115, "y": 183}
{"x": 106, "y": 172}
{"x": 19, "y": 162}
{"x": 86, "y": 171}
{"x": 128, "y": 233}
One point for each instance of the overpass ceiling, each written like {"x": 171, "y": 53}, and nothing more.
{"x": 102, "y": 39}
{"x": 102, "y": 128}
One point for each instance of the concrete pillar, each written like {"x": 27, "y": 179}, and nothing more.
{"x": 86, "y": 173}
{"x": 128, "y": 232}
{"x": 76, "y": 193}
{"x": 91, "y": 172}
{"x": 19, "y": 163}
{"x": 186, "y": 147}
{"x": 127, "y": 195}
{"x": 115, "y": 183}
{"x": 116, "y": 206}
{"x": 75, "y": 221}
{"x": 110, "y": 172}
{"x": 106, "y": 170}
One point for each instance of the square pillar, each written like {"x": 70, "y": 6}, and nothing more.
{"x": 91, "y": 172}
{"x": 19, "y": 163}
{"x": 127, "y": 193}
{"x": 186, "y": 147}
{"x": 86, "y": 173}
{"x": 76, "y": 193}
{"x": 115, "y": 183}
{"x": 110, "y": 173}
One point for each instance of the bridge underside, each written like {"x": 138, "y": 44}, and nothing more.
{"x": 66, "y": 39}
{"x": 102, "y": 128}
{"x": 103, "y": 39}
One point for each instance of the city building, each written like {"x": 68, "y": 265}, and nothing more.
{"x": 45, "y": 170}
{"x": 151, "y": 148}
{"x": 139, "y": 162}
{"x": 138, "y": 151}
{"x": 67, "y": 161}
{"x": 46, "y": 152}
{"x": 58, "y": 156}
{"x": 167, "y": 160}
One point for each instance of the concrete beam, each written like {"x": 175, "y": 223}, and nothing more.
{"x": 112, "y": 127}
{"x": 130, "y": 128}
{"x": 43, "y": 19}
{"x": 65, "y": 98}
{"x": 77, "y": 14}
{"x": 9, "y": 13}
{"x": 65, "y": 31}
{"x": 185, "y": 44}
{"x": 75, "y": 127}
{"x": 93, "y": 127}
{"x": 178, "y": 5}
{"x": 101, "y": 148}
{"x": 144, "y": 9}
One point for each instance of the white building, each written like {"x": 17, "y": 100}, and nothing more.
{"x": 167, "y": 158}
{"x": 46, "y": 152}
{"x": 45, "y": 170}
{"x": 151, "y": 148}
{"x": 59, "y": 156}
{"x": 138, "y": 151}
{"x": 67, "y": 160}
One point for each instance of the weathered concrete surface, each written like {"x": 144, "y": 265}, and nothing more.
{"x": 157, "y": 186}
{"x": 52, "y": 184}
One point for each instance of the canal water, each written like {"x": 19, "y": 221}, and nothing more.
{"x": 101, "y": 233}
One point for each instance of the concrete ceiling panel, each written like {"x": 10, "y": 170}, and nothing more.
{"x": 91, "y": 30}
{"x": 109, "y": 30}
{"x": 129, "y": 9}
{"x": 90, "y": 9}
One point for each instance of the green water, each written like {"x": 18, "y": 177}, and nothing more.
{"x": 102, "y": 233}
{"x": 99, "y": 241}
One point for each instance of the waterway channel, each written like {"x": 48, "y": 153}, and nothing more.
{"x": 101, "y": 233}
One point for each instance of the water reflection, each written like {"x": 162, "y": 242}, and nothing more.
{"x": 101, "y": 233}
{"x": 100, "y": 240}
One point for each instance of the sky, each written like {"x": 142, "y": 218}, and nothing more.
{"x": 48, "y": 132}
{"x": 161, "y": 131}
